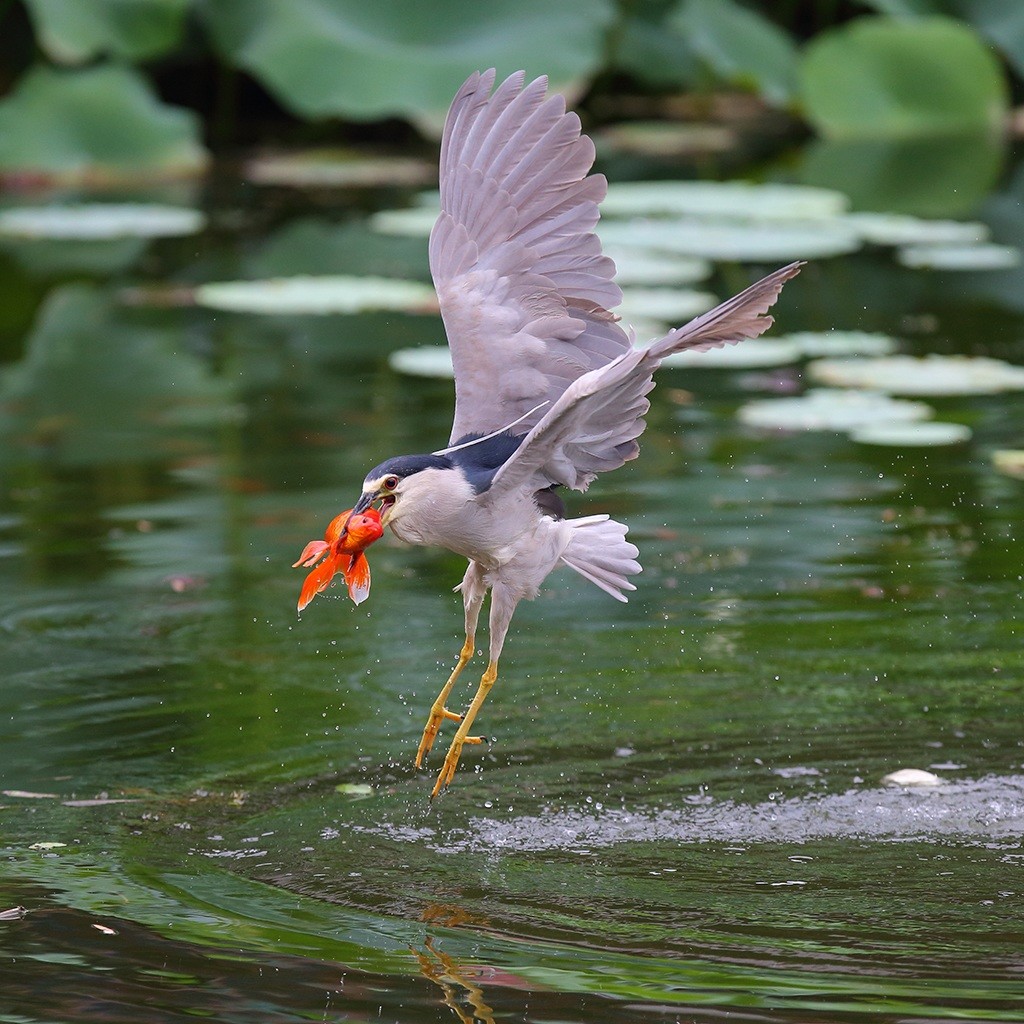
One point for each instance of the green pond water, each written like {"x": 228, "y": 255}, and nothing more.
{"x": 680, "y": 815}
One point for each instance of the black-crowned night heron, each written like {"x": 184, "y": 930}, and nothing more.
{"x": 549, "y": 389}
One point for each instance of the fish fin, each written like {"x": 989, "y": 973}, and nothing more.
{"x": 319, "y": 579}
{"x": 311, "y": 553}
{"x": 358, "y": 579}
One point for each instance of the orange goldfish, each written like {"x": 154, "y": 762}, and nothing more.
{"x": 347, "y": 537}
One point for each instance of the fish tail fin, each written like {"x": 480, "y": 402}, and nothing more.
{"x": 357, "y": 576}
{"x": 319, "y": 579}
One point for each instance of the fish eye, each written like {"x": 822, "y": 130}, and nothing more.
{"x": 389, "y": 483}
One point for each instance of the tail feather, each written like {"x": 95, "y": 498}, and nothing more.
{"x": 599, "y": 552}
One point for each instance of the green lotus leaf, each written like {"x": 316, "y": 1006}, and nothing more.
{"x": 721, "y": 199}
{"x": 884, "y": 78}
{"x": 929, "y": 434}
{"x": 931, "y": 375}
{"x": 318, "y": 295}
{"x": 75, "y": 31}
{"x": 325, "y": 58}
{"x": 735, "y": 240}
{"x": 831, "y": 409}
{"x": 960, "y": 257}
{"x": 92, "y": 221}
{"x": 93, "y": 126}
{"x": 741, "y": 46}
{"x": 423, "y": 361}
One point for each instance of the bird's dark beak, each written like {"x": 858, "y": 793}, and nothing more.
{"x": 366, "y": 499}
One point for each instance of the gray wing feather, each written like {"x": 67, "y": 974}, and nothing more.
{"x": 523, "y": 286}
{"x": 594, "y": 425}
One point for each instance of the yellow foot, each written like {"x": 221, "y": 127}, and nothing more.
{"x": 438, "y": 713}
{"x": 451, "y": 761}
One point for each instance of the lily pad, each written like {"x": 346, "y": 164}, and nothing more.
{"x": 338, "y": 168}
{"x": 1009, "y": 461}
{"x": 665, "y": 138}
{"x": 722, "y": 199}
{"x": 748, "y": 355}
{"x": 931, "y": 375}
{"x": 745, "y": 241}
{"x": 928, "y": 434}
{"x": 414, "y": 222}
{"x": 840, "y": 343}
{"x": 423, "y": 361}
{"x": 94, "y": 221}
{"x": 831, "y": 409}
{"x": 318, "y": 295}
{"x": 646, "y": 267}
{"x": 960, "y": 257}
{"x": 665, "y": 305}
{"x": 903, "y": 229}
{"x": 95, "y": 126}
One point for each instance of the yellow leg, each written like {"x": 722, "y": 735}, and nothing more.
{"x": 438, "y": 712}
{"x": 451, "y": 760}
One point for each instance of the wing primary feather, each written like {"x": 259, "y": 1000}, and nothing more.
{"x": 594, "y": 425}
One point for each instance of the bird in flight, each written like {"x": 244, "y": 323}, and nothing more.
{"x": 549, "y": 388}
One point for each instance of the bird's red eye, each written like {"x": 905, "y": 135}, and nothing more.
{"x": 390, "y": 483}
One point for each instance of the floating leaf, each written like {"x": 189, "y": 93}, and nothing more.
{"x": 742, "y": 46}
{"x": 651, "y": 50}
{"x": 318, "y": 295}
{"x": 95, "y": 125}
{"x": 840, "y": 343}
{"x": 750, "y": 354}
{"x": 92, "y": 221}
{"x": 1009, "y": 461}
{"x": 722, "y": 199}
{"x": 415, "y": 221}
{"x": 929, "y": 434}
{"x": 665, "y": 138}
{"x": 750, "y": 240}
{"x": 356, "y": 790}
{"x": 423, "y": 361}
{"x": 960, "y": 257}
{"x": 830, "y": 409}
{"x": 75, "y": 31}
{"x": 323, "y": 58}
{"x": 338, "y": 168}
{"x": 665, "y": 305}
{"x": 931, "y": 375}
{"x": 902, "y": 229}
{"x": 878, "y": 77}
{"x": 648, "y": 267}
{"x": 912, "y": 777}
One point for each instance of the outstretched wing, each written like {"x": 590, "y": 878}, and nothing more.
{"x": 593, "y": 427}
{"x": 523, "y": 287}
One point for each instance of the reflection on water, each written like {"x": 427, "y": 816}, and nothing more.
{"x": 680, "y": 814}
